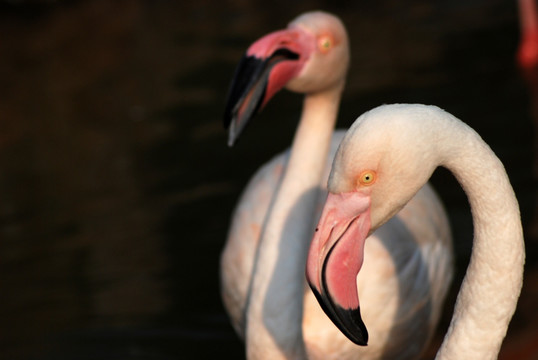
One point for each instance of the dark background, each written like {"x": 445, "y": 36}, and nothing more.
{"x": 116, "y": 184}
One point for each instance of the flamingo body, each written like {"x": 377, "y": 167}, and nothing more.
{"x": 402, "y": 285}
{"x": 246, "y": 227}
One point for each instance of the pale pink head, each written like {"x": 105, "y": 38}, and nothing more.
{"x": 387, "y": 155}
{"x": 310, "y": 55}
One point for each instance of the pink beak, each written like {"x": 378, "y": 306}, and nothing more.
{"x": 268, "y": 65}
{"x": 335, "y": 258}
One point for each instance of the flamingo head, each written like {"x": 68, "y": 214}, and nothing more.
{"x": 378, "y": 168}
{"x": 310, "y": 55}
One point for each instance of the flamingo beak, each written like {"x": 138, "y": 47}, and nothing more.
{"x": 265, "y": 68}
{"x": 335, "y": 258}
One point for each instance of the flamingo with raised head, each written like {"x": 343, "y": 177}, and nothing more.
{"x": 387, "y": 155}
{"x": 409, "y": 266}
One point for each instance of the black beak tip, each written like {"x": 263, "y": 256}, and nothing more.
{"x": 248, "y": 89}
{"x": 354, "y": 327}
{"x": 250, "y": 77}
{"x": 232, "y": 135}
{"x": 349, "y": 321}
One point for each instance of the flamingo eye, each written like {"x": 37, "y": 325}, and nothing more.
{"x": 325, "y": 43}
{"x": 366, "y": 178}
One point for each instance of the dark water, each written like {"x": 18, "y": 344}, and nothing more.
{"x": 116, "y": 184}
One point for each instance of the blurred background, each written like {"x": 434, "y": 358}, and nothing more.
{"x": 117, "y": 186}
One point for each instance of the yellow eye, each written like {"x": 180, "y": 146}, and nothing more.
{"x": 325, "y": 43}
{"x": 366, "y": 178}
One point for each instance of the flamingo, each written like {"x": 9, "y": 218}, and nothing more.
{"x": 385, "y": 157}
{"x": 263, "y": 285}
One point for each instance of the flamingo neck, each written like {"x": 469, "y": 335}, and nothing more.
{"x": 275, "y": 310}
{"x": 490, "y": 290}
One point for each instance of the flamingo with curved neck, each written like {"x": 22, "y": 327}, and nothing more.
{"x": 262, "y": 265}
{"x": 384, "y": 159}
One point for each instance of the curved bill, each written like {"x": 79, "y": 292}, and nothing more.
{"x": 335, "y": 258}
{"x": 266, "y": 67}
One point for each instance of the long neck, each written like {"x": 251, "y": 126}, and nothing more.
{"x": 274, "y": 318}
{"x": 491, "y": 287}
